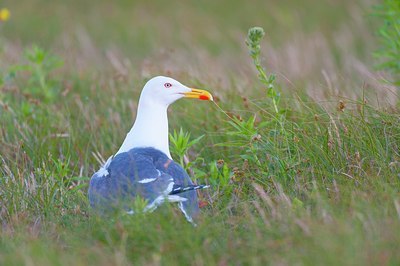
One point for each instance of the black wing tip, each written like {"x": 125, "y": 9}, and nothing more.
{"x": 180, "y": 189}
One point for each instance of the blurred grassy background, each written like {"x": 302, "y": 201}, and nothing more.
{"x": 313, "y": 45}
{"x": 135, "y": 25}
{"x": 320, "y": 48}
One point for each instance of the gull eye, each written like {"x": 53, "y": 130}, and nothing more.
{"x": 167, "y": 85}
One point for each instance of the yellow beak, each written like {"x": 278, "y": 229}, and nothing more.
{"x": 199, "y": 94}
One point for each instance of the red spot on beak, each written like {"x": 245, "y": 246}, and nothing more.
{"x": 203, "y": 97}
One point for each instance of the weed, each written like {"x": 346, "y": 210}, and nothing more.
{"x": 254, "y": 37}
{"x": 180, "y": 144}
{"x": 40, "y": 64}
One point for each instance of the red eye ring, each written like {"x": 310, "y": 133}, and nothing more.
{"x": 167, "y": 85}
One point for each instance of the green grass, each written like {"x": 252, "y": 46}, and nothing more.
{"x": 389, "y": 33}
{"x": 306, "y": 172}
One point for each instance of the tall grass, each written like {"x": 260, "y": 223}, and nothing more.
{"x": 301, "y": 173}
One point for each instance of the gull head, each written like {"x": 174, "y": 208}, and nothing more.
{"x": 165, "y": 90}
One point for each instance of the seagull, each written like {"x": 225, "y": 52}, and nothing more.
{"x": 143, "y": 166}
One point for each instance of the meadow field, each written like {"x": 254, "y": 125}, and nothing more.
{"x": 301, "y": 147}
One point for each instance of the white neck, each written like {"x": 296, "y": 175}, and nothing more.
{"x": 150, "y": 128}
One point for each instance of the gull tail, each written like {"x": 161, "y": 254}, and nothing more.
{"x": 180, "y": 189}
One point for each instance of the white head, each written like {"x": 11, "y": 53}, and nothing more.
{"x": 164, "y": 91}
{"x": 151, "y": 125}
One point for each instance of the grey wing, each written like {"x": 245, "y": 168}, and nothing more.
{"x": 126, "y": 176}
{"x": 189, "y": 207}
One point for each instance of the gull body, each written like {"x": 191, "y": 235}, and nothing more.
{"x": 143, "y": 165}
